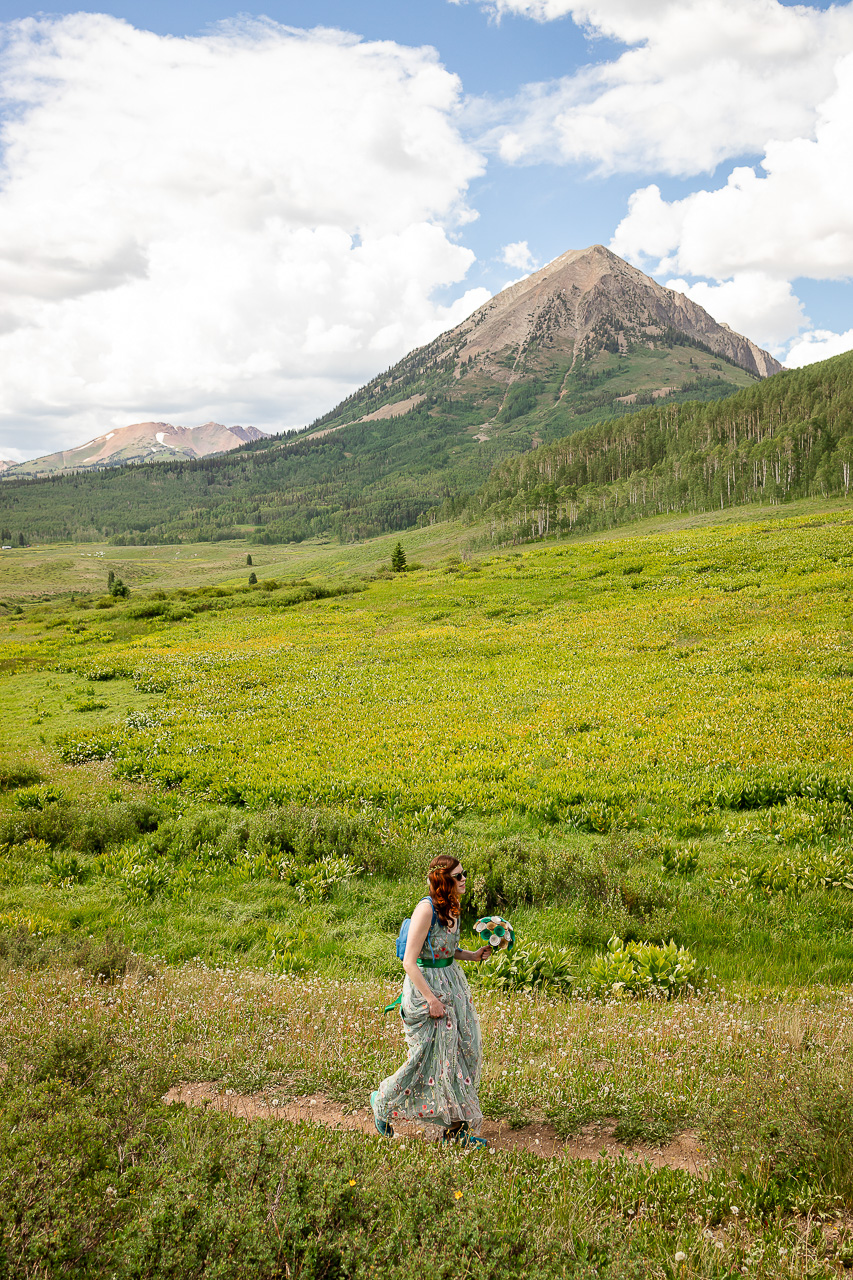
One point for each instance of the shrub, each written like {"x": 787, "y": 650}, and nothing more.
{"x": 643, "y": 968}
{"x": 531, "y": 968}
{"x": 105, "y": 961}
{"x": 149, "y": 609}
{"x": 15, "y": 774}
{"x": 515, "y": 871}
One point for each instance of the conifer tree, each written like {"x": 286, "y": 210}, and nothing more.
{"x": 398, "y": 558}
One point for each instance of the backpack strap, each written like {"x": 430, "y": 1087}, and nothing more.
{"x": 429, "y": 930}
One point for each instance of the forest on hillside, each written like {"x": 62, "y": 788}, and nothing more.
{"x": 790, "y": 436}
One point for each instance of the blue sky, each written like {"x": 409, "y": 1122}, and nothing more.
{"x": 214, "y": 212}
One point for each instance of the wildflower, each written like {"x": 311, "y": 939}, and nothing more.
{"x": 457, "y": 1195}
{"x": 352, "y": 1182}
{"x": 680, "y": 1257}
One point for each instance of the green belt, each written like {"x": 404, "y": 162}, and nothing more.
{"x": 423, "y": 964}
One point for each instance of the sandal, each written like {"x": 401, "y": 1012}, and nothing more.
{"x": 383, "y": 1128}
{"x": 461, "y": 1135}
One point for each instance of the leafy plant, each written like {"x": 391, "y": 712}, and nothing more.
{"x": 39, "y": 797}
{"x": 643, "y": 968}
{"x": 531, "y": 968}
{"x": 681, "y": 861}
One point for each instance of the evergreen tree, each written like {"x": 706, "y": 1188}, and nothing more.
{"x": 398, "y": 558}
{"x": 253, "y": 578}
{"x": 248, "y": 560}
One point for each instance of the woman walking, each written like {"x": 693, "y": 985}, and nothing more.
{"x": 438, "y": 1082}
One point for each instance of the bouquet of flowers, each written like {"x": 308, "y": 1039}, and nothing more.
{"x": 496, "y": 931}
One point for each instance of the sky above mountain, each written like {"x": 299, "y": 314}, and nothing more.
{"x": 214, "y": 212}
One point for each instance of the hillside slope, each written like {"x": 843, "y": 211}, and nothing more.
{"x": 791, "y": 436}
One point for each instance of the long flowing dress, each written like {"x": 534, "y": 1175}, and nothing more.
{"x": 438, "y": 1082}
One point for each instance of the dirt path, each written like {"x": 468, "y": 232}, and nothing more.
{"x": 594, "y": 1142}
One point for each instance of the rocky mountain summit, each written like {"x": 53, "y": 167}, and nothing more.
{"x": 140, "y": 442}
{"x": 586, "y": 325}
{"x": 584, "y": 300}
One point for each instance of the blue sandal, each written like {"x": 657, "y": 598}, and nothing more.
{"x": 383, "y": 1128}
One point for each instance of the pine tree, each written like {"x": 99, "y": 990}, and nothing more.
{"x": 253, "y": 578}
{"x": 398, "y": 558}
{"x": 248, "y": 560}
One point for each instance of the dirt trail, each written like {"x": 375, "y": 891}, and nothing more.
{"x": 594, "y": 1142}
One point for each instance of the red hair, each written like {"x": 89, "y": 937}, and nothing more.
{"x": 442, "y": 888}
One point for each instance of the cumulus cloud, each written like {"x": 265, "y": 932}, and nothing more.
{"x": 518, "y": 255}
{"x": 763, "y": 228}
{"x": 700, "y": 81}
{"x": 766, "y": 310}
{"x": 820, "y": 344}
{"x": 242, "y": 226}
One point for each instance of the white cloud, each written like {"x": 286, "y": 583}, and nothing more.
{"x": 820, "y": 344}
{"x": 765, "y": 309}
{"x": 700, "y": 81}
{"x": 762, "y": 229}
{"x": 518, "y": 255}
{"x": 241, "y": 226}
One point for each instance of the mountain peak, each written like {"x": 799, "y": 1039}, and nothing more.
{"x": 140, "y": 442}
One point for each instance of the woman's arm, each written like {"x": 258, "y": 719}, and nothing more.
{"x": 479, "y": 954}
{"x": 418, "y": 930}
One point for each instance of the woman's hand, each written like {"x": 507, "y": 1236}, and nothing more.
{"x": 483, "y": 953}
{"x": 436, "y": 1008}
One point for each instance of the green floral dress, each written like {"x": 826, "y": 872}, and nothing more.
{"x": 438, "y": 1082}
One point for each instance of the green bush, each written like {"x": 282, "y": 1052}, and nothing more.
{"x": 531, "y": 968}
{"x": 105, "y": 961}
{"x": 516, "y": 871}
{"x": 16, "y": 773}
{"x": 39, "y": 797}
{"x": 645, "y": 969}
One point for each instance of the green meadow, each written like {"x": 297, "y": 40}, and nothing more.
{"x": 218, "y": 802}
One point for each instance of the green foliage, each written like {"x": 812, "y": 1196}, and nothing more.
{"x": 39, "y": 797}
{"x": 782, "y": 438}
{"x": 106, "y": 961}
{"x": 17, "y": 773}
{"x": 398, "y": 558}
{"x": 681, "y": 861}
{"x": 253, "y": 577}
{"x": 791, "y": 1132}
{"x": 785, "y": 871}
{"x": 645, "y": 969}
{"x": 531, "y": 968}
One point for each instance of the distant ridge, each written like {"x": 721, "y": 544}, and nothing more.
{"x": 139, "y": 442}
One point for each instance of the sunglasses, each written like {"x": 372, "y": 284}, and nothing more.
{"x": 457, "y": 875}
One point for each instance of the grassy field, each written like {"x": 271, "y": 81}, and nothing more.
{"x": 46, "y": 572}
{"x": 218, "y": 803}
